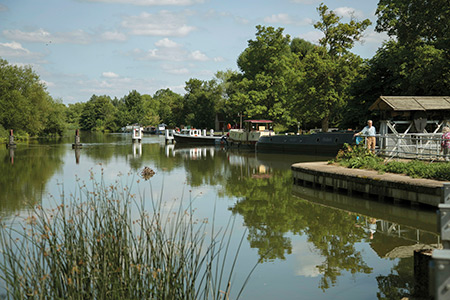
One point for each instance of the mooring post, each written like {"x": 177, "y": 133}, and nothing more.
{"x": 77, "y": 143}
{"x": 11, "y": 143}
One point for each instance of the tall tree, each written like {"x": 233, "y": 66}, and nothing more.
{"x": 98, "y": 114}
{"x": 268, "y": 69}
{"x": 339, "y": 37}
{"x": 331, "y": 69}
{"x": 24, "y": 102}
{"x": 169, "y": 107}
{"x": 415, "y": 20}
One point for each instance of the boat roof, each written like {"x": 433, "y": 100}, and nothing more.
{"x": 259, "y": 121}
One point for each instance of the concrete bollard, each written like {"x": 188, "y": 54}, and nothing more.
{"x": 204, "y": 132}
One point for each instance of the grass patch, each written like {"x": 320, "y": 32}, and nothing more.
{"x": 361, "y": 158}
{"x": 102, "y": 244}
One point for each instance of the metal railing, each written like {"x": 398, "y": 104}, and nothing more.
{"x": 424, "y": 146}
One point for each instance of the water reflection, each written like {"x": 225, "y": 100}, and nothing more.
{"x": 24, "y": 174}
{"x": 337, "y": 231}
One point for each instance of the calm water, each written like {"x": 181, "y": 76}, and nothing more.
{"x": 313, "y": 244}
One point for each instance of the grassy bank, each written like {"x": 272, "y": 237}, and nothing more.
{"x": 102, "y": 244}
{"x": 361, "y": 158}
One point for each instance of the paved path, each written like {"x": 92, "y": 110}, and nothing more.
{"x": 370, "y": 174}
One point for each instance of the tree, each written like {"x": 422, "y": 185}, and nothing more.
{"x": 339, "y": 37}
{"x": 169, "y": 107}
{"x": 98, "y": 114}
{"x": 324, "y": 91}
{"x": 413, "y": 21}
{"x": 301, "y": 47}
{"x": 268, "y": 71}
{"x": 24, "y": 101}
{"x": 200, "y": 102}
{"x": 330, "y": 69}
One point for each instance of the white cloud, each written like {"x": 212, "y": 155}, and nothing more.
{"x": 286, "y": 19}
{"x": 3, "y": 7}
{"x": 199, "y": 56}
{"x": 177, "y": 71}
{"x": 348, "y": 12}
{"x": 168, "y": 50}
{"x": 312, "y": 36}
{"x": 151, "y": 2}
{"x": 72, "y": 37}
{"x": 113, "y": 36}
{"x": 15, "y": 49}
{"x": 164, "y": 23}
{"x": 307, "y": 259}
{"x": 306, "y": 1}
{"x": 47, "y": 83}
{"x": 42, "y": 36}
{"x": 110, "y": 75}
{"x": 218, "y": 59}
{"x": 166, "y": 43}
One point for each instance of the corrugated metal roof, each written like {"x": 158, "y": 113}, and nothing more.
{"x": 411, "y": 103}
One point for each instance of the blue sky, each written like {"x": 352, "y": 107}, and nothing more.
{"x": 110, "y": 47}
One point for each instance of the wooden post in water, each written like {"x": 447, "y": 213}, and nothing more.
{"x": 77, "y": 143}
{"x": 11, "y": 143}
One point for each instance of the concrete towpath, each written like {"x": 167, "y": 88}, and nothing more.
{"x": 396, "y": 186}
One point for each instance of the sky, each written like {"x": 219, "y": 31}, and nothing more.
{"x": 111, "y": 47}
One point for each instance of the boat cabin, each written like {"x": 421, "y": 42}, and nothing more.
{"x": 258, "y": 125}
{"x": 253, "y": 130}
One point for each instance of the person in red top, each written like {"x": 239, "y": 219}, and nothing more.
{"x": 445, "y": 144}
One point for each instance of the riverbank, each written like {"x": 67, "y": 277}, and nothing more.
{"x": 387, "y": 186}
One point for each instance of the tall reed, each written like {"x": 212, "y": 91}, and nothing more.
{"x": 103, "y": 244}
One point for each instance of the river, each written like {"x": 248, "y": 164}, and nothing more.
{"x": 311, "y": 244}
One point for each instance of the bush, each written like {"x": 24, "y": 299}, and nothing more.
{"x": 360, "y": 157}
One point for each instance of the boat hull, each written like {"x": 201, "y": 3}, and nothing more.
{"x": 197, "y": 140}
{"x": 313, "y": 144}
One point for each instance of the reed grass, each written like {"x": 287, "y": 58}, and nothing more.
{"x": 103, "y": 244}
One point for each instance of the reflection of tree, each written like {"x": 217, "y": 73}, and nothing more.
{"x": 24, "y": 181}
{"x": 270, "y": 212}
{"x": 399, "y": 282}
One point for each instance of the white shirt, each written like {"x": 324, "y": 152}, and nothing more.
{"x": 369, "y": 131}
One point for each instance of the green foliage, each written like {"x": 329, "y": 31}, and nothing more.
{"x": 415, "y": 20}
{"x": 357, "y": 157}
{"x": 200, "y": 102}
{"x": 98, "y": 114}
{"x": 268, "y": 69}
{"x": 25, "y": 104}
{"x": 361, "y": 158}
{"x": 338, "y": 37}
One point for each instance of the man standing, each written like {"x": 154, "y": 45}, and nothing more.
{"x": 369, "y": 132}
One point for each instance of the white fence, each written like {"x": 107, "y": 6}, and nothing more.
{"x": 426, "y": 146}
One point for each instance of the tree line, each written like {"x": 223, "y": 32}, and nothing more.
{"x": 291, "y": 81}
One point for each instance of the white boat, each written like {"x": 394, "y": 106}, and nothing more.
{"x": 161, "y": 128}
{"x": 197, "y": 136}
{"x": 250, "y": 134}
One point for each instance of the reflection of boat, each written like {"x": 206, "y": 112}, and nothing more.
{"x": 326, "y": 143}
{"x": 253, "y": 130}
{"x": 191, "y": 153}
{"x": 196, "y": 136}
